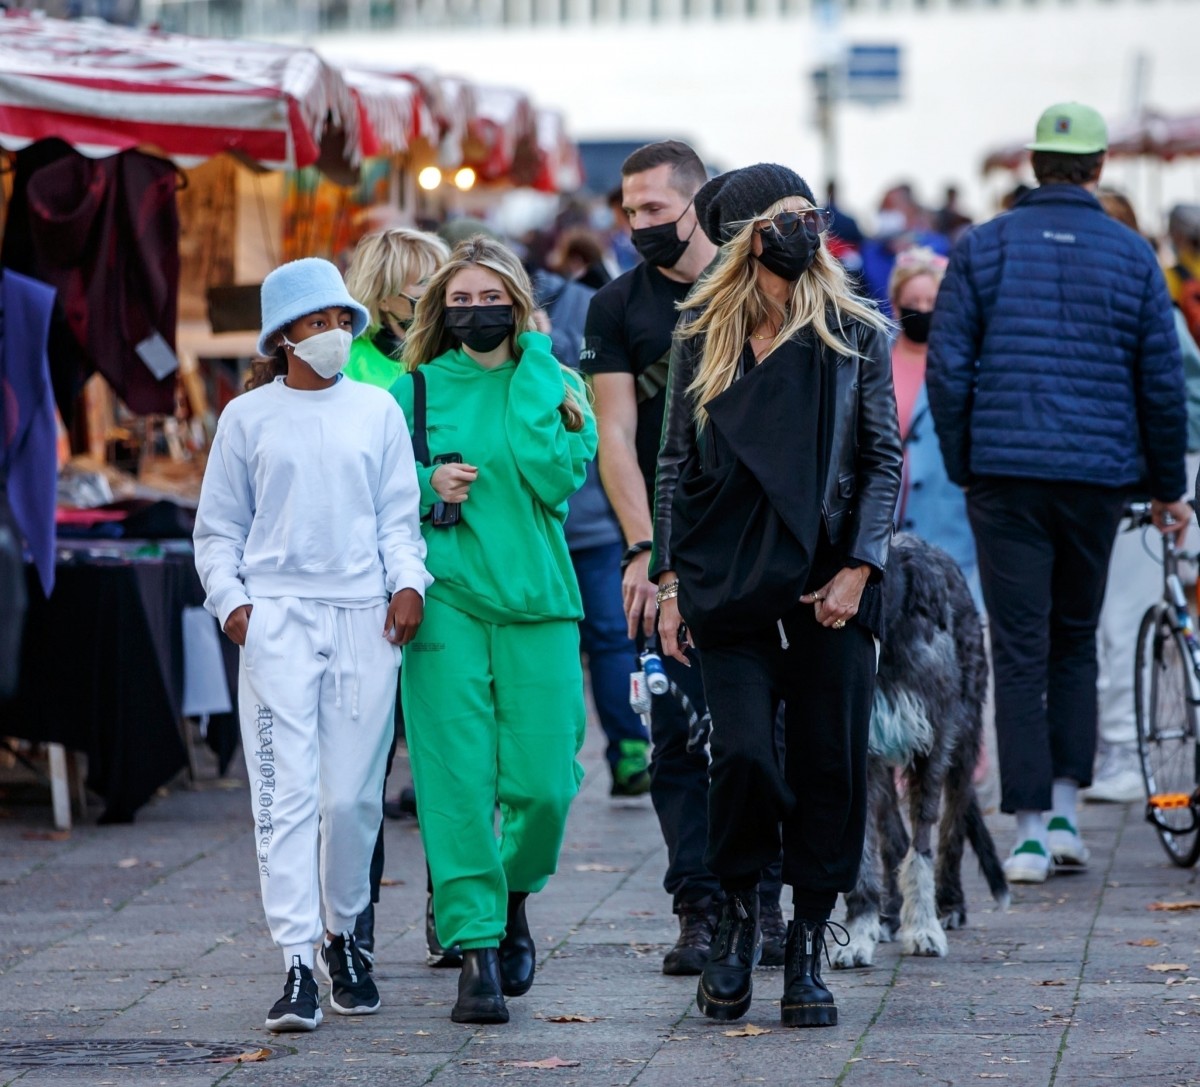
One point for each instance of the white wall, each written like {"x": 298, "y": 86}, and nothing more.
{"x": 740, "y": 90}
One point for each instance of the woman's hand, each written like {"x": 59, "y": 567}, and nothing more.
{"x": 404, "y": 615}
{"x": 453, "y": 481}
{"x": 238, "y": 623}
{"x": 836, "y": 602}
{"x": 670, "y": 622}
{"x": 637, "y": 593}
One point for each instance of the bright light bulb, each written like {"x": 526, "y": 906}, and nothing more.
{"x": 465, "y": 178}
{"x": 429, "y": 178}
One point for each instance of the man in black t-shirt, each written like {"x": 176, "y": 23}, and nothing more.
{"x": 627, "y": 340}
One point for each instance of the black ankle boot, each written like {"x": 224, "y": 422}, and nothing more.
{"x": 364, "y": 935}
{"x": 806, "y": 1001}
{"x": 435, "y": 955}
{"x": 518, "y": 952}
{"x": 726, "y": 983}
{"x": 479, "y": 997}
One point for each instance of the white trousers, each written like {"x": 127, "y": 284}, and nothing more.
{"x": 1134, "y": 583}
{"x": 316, "y": 697}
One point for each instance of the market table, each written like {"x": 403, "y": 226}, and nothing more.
{"x": 102, "y": 668}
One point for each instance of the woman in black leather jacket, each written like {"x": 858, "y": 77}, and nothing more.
{"x": 777, "y": 480}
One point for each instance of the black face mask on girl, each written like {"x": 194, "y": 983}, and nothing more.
{"x": 789, "y": 257}
{"x": 661, "y": 245}
{"x": 481, "y": 328}
{"x": 915, "y": 324}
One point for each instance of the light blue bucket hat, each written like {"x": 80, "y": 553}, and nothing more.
{"x": 301, "y": 287}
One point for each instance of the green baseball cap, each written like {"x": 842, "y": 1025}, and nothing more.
{"x": 1070, "y": 128}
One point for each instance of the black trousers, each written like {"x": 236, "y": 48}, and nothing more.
{"x": 1043, "y": 559}
{"x": 819, "y": 793}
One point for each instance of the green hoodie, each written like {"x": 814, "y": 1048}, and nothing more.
{"x": 506, "y": 561}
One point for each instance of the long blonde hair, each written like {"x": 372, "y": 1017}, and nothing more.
{"x": 386, "y": 262}
{"x": 428, "y": 338}
{"x": 732, "y": 305}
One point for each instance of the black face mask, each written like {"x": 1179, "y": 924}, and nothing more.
{"x": 915, "y": 324}
{"x": 388, "y": 344}
{"x": 661, "y": 245}
{"x": 481, "y": 328}
{"x": 790, "y": 257}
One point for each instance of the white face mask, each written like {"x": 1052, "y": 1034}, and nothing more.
{"x": 326, "y": 352}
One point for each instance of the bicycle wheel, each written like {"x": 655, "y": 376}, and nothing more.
{"x": 1166, "y": 732}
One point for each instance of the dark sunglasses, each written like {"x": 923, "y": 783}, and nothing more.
{"x": 787, "y": 222}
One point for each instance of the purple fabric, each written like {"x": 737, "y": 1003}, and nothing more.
{"x": 29, "y": 435}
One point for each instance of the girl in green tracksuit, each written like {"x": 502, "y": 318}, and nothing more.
{"x": 492, "y": 684}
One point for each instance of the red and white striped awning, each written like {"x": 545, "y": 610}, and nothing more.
{"x": 106, "y": 89}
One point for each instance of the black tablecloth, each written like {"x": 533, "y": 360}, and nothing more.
{"x": 102, "y": 673}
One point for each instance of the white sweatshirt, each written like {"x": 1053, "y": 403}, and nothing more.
{"x": 310, "y": 494}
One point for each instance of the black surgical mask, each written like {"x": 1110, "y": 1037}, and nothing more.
{"x": 790, "y": 257}
{"x": 387, "y": 343}
{"x": 481, "y": 328}
{"x": 661, "y": 245}
{"x": 915, "y": 324}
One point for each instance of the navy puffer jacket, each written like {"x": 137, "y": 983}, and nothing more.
{"x": 1053, "y": 353}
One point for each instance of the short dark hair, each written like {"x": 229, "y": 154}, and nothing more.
{"x": 687, "y": 171}
{"x": 1053, "y": 167}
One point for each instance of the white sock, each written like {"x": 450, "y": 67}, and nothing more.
{"x": 305, "y": 951}
{"x": 1064, "y": 798}
{"x": 1031, "y": 827}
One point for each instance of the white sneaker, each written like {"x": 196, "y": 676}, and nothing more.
{"x": 1028, "y": 863}
{"x": 1066, "y": 847}
{"x": 1118, "y": 778}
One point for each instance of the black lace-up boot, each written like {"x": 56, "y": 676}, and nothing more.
{"x": 518, "y": 953}
{"x": 806, "y": 1000}
{"x": 726, "y": 985}
{"x": 697, "y": 924}
{"x": 774, "y": 931}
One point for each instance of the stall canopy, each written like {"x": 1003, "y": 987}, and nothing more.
{"x": 1153, "y": 134}
{"x": 105, "y": 89}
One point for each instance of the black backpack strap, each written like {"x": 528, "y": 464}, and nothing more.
{"x": 420, "y": 438}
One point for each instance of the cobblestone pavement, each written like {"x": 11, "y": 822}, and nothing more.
{"x": 152, "y": 935}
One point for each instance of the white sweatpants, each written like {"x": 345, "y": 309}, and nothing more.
{"x": 1134, "y": 583}
{"x": 316, "y": 697}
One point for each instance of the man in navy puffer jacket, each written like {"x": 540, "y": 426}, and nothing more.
{"x": 1056, "y": 386}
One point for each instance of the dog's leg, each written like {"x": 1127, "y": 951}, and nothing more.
{"x": 893, "y": 839}
{"x": 862, "y": 904}
{"x": 958, "y": 794}
{"x": 920, "y": 931}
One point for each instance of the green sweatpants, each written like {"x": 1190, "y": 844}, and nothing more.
{"x": 493, "y": 712}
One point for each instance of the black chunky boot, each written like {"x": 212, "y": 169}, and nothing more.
{"x": 726, "y": 984}
{"x": 518, "y": 952}
{"x": 697, "y": 924}
{"x": 806, "y": 1000}
{"x": 480, "y": 999}
{"x": 774, "y": 932}
{"x": 364, "y": 936}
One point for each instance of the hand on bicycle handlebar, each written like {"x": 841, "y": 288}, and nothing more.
{"x": 1173, "y": 517}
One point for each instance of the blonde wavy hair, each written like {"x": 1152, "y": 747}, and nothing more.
{"x": 918, "y": 260}
{"x": 428, "y": 337}
{"x": 732, "y": 305}
{"x": 386, "y": 262}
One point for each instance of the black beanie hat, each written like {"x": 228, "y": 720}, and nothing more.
{"x": 740, "y": 195}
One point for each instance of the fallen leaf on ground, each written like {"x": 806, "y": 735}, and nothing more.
{"x": 1190, "y": 904}
{"x": 600, "y": 868}
{"x": 422, "y": 1034}
{"x": 748, "y": 1031}
{"x": 1148, "y": 942}
{"x": 128, "y": 862}
{"x": 1055, "y": 982}
{"x": 46, "y": 835}
{"x": 1168, "y": 967}
{"x": 569, "y": 1018}
{"x": 246, "y": 1058}
{"x": 391, "y": 883}
{"x": 548, "y": 1062}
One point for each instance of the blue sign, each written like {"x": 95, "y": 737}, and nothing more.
{"x": 872, "y": 74}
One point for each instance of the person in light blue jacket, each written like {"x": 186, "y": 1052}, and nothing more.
{"x": 930, "y": 506}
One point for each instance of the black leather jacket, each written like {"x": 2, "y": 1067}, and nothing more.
{"x": 859, "y": 501}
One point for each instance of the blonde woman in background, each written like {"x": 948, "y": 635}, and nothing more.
{"x": 387, "y": 275}
{"x": 777, "y": 481}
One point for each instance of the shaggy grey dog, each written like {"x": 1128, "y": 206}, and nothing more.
{"x": 928, "y": 721}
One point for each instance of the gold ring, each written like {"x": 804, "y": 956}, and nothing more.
{"x": 838, "y": 624}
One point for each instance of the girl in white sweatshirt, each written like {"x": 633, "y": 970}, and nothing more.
{"x": 309, "y": 547}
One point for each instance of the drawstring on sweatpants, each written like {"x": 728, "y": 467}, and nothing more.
{"x": 783, "y": 638}
{"x": 337, "y": 656}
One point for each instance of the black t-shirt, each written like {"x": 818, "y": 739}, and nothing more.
{"x": 629, "y": 327}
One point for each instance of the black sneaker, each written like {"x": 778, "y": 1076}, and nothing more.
{"x": 352, "y": 992}
{"x": 300, "y": 1006}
